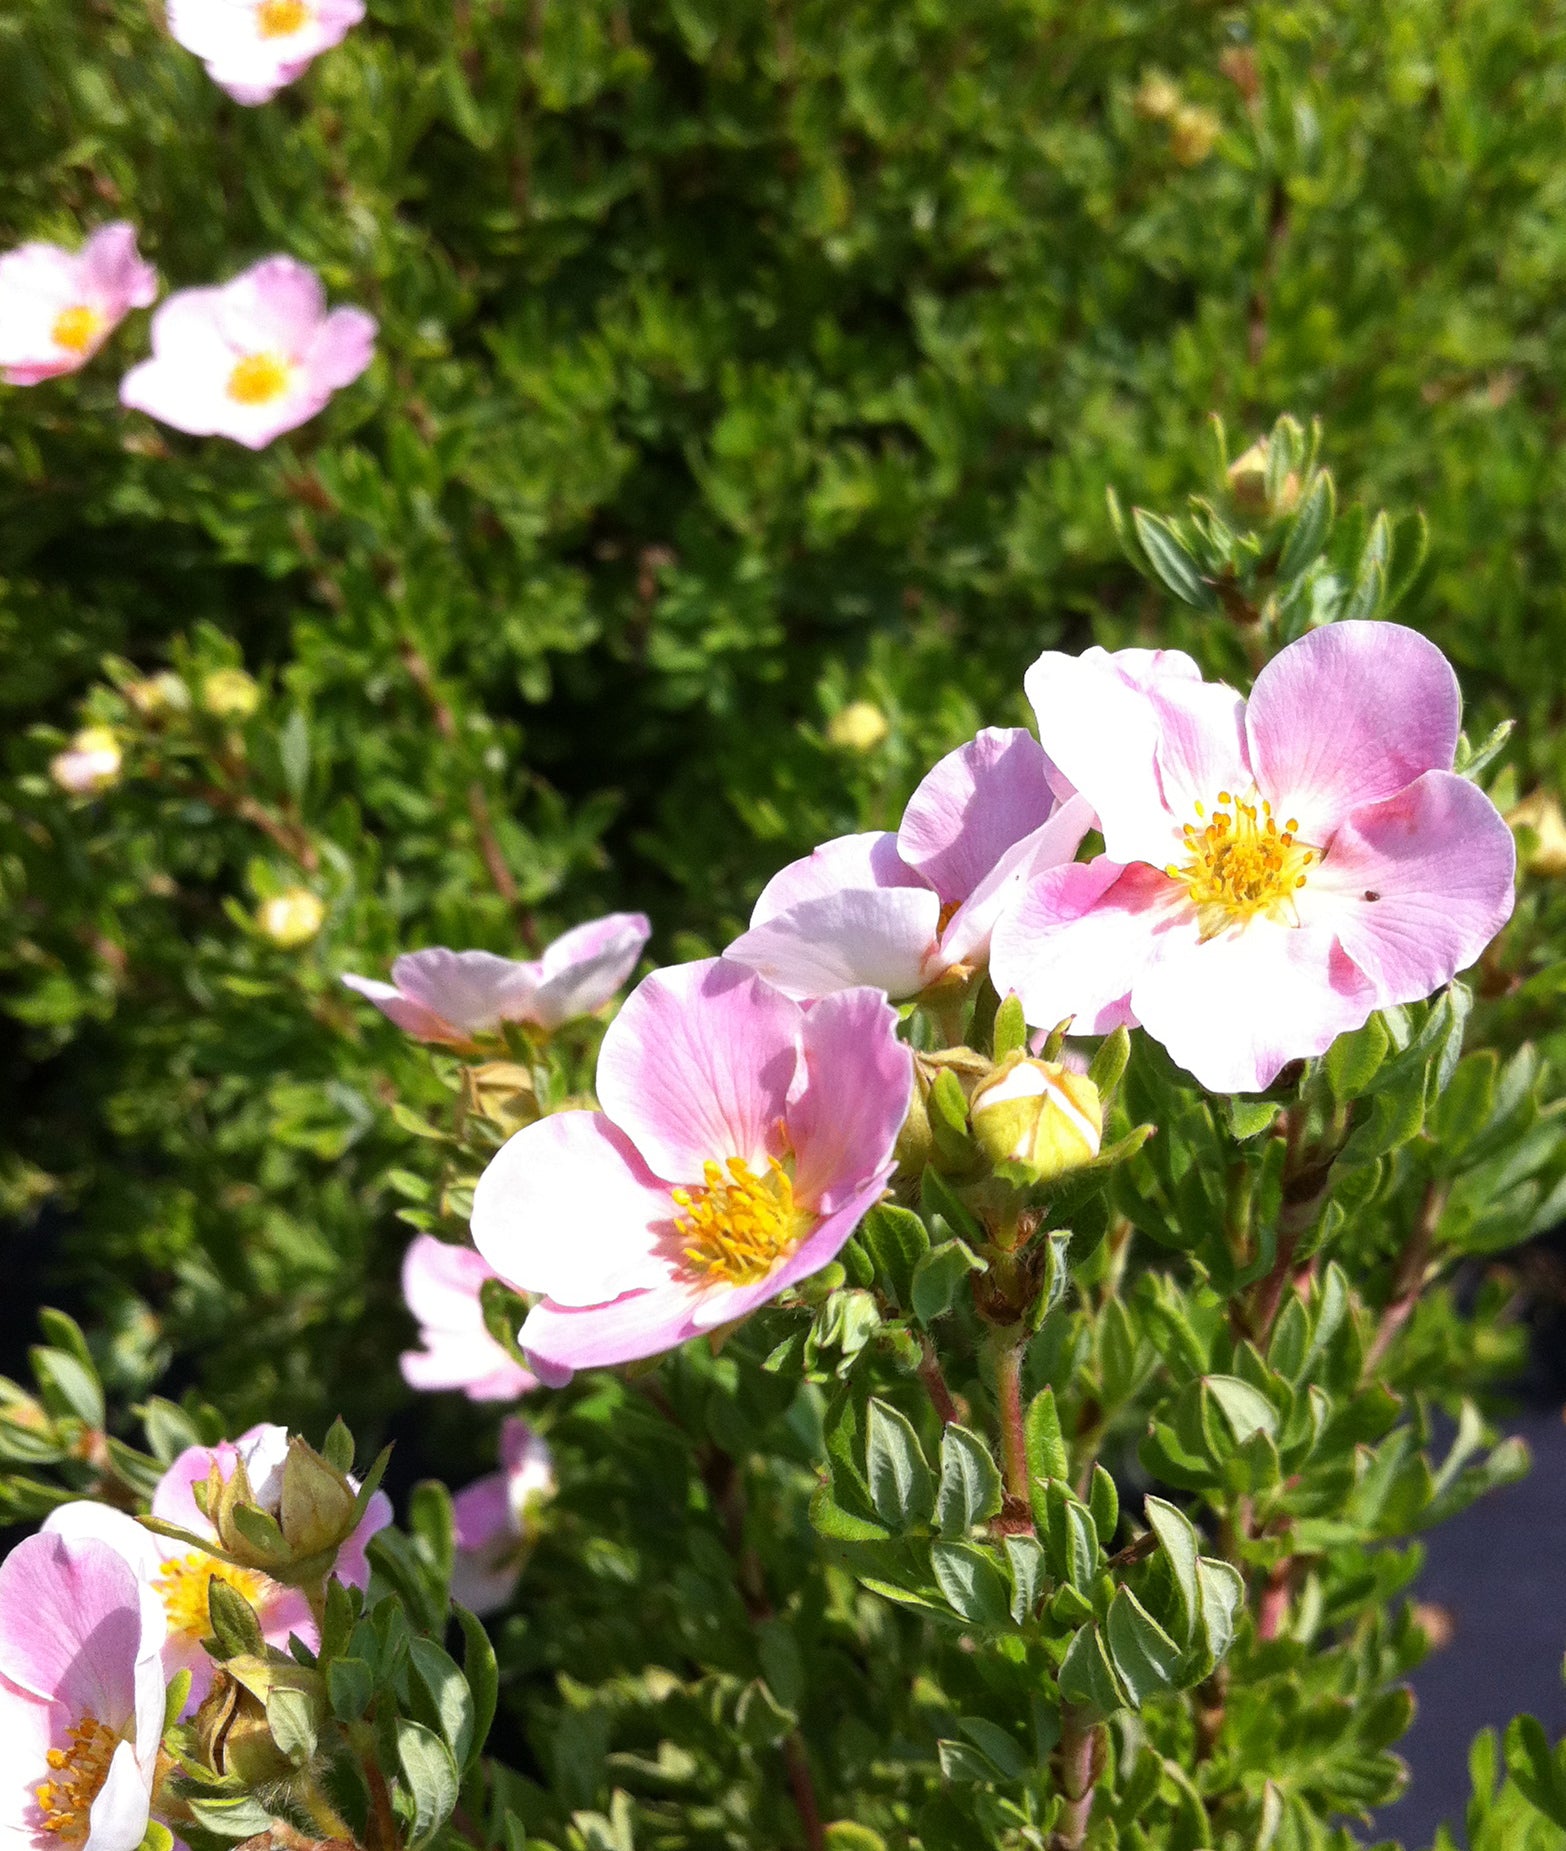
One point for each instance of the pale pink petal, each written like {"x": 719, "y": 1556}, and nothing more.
{"x": 340, "y": 349}
{"x": 473, "y": 990}
{"x": 1104, "y": 735}
{"x": 276, "y": 306}
{"x": 698, "y": 1067}
{"x": 559, "y": 1340}
{"x": 285, "y": 1612}
{"x": 29, "y": 1728}
{"x": 441, "y": 1284}
{"x": 529, "y": 1463}
{"x": 1236, "y": 1009}
{"x": 1146, "y": 668}
{"x": 884, "y": 937}
{"x": 858, "y": 1082}
{"x": 975, "y": 804}
{"x": 352, "y": 1567}
{"x": 1348, "y": 715}
{"x": 1201, "y": 750}
{"x": 264, "y": 1449}
{"x": 72, "y": 1625}
{"x": 136, "y": 1545}
{"x": 411, "y": 1017}
{"x": 482, "y": 1513}
{"x": 586, "y": 966}
{"x": 484, "y": 1573}
{"x": 867, "y": 861}
{"x": 118, "y": 1817}
{"x": 1075, "y": 940}
{"x": 174, "y": 1502}
{"x": 1416, "y": 886}
{"x": 569, "y": 1207}
{"x": 115, "y": 271}
{"x": 966, "y": 939}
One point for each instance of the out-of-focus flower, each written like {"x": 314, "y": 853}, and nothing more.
{"x": 230, "y": 694}
{"x": 81, "y": 1696}
{"x": 1039, "y": 1113}
{"x": 58, "y": 307}
{"x": 1273, "y": 871}
{"x": 1157, "y": 97}
{"x": 250, "y": 359}
{"x": 1540, "y": 813}
{"x": 492, "y": 1519}
{"x": 291, "y": 918}
{"x": 858, "y": 727}
{"x": 1193, "y": 133}
{"x": 156, "y": 696}
{"x": 178, "y": 1579}
{"x": 741, "y": 1140}
{"x": 451, "y": 996}
{"x": 253, "y": 48}
{"x": 90, "y": 763}
{"x": 442, "y": 1284}
{"x": 900, "y": 911}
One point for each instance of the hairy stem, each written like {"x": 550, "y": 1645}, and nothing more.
{"x": 1079, "y": 1760}
{"x": 935, "y": 1383}
{"x": 1008, "y": 1393}
{"x": 1410, "y": 1276}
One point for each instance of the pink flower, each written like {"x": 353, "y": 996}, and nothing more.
{"x": 1274, "y": 871}
{"x": 58, "y": 307}
{"x": 81, "y": 1696}
{"x": 451, "y": 996}
{"x": 491, "y": 1519}
{"x": 899, "y": 911}
{"x": 250, "y": 359}
{"x": 741, "y": 1140}
{"x": 177, "y": 1578}
{"x": 252, "y": 48}
{"x": 441, "y": 1284}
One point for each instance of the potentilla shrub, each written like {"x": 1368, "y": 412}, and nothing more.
{"x": 969, "y": 1364}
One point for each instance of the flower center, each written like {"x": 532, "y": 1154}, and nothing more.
{"x": 185, "y": 1581}
{"x": 1240, "y": 863}
{"x": 76, "y": 1777}
{"x": 734, "y": 1228}
{"x": 258, "y": 379}
{"x": 75, "y": 329}
{"x": 276, "y": 19}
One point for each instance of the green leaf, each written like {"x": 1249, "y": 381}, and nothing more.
{"x": 431, "y": 1778}
{"x": 839, "y": 1525}
{"x": 350, "y": 1685}
{"x": 1223, "y": 1599}
{"x": 1026, "y": 1556}
{"x": 69, "y": 1386}
{"x": 290, "y": 1716}
{"x": 229, "y": 1815}
{"x": 293, "y": 753}
{"x": 235, "y": 1629}
{"x": 1104, "y": 1504}
{"x": 970, "y": 1482}
{"x": 1249, "y": 1118}
{"x": 1353, "y": 1060}
{"x": 901, "y": 1486}
{"x": 996, "y": 1744}
{"x": 762, "y": 1721}
{"x": 940, "y": 1276}
{"x": 482, "y": 1673}
{"x": 1011, "y": 1029}
{"x": 337, "y": 1448}
{"x": 972, "y": 1583}
{"x": 451, "y": 1710}
{"x": 1170, "y": 561}
{"x": 1110, "y": 1061}
{"x": 1087, "y": 1676}
{"x": 896, "y": 1240}
{"x": 1042, "y": 1439}
{"x": 1177, "y": 1538}
{"x": 1538, "y": 1770}
{"x": 1308, "y": 534}
{"x": 1246, "y": 1409}
{"x": 1145, "y": 1658}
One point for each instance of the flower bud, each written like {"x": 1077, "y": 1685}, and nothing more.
{"x": 290, "y": 1522}
{"x": 1157, "y": 97}
{"x": 1193, "y": 133}
{"x": 501, "y": 1091}
{"x": 1540, "y": 813}
{"x": 317, "y": 1504}
{"x": 156, "y": 696}
{"x": 291, "y": 918}
{"x": 230, "y": 694}
{"x": 1248, "y": 483}
{"x": 231, "y": 1727}
{"x": 858, "y": 727}
{"x": 91, "y": 763}
{"x": 1039, "y": 1114}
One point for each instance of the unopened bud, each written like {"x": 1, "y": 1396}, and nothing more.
{"x": 1540, "y": 814}
{"x": 1193, "y": 133}
{"x": 235, "y": 1739}
{"x": 91, "y": 763}
{"x": 858, "y": 727}
{"x": 318, "y": 1502}
{"x": 1248, "y": 483}
{"x": 290, "y": 1521}
{"x": 230, "y": 694}
{"x": 156, "y": 696}
{"x": 291, "y": 918}
{"x": 1157, "y": 97}
{"x": 501, "y": 1091}
{"x": 1040, "y": 1114}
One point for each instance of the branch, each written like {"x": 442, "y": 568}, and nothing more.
{"x": 935, "y": 1384}
{"x": 1410, "y": 1276}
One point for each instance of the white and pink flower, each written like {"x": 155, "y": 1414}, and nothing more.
{"x": 58, "y": 307}
{"x": 1274, "y": 870}
{"x": 178, "y": 1578}
{"x": 741, "y": 1140}
{"x": 442, "y": 1284}
{"x": 81, "y": 1696}
{"x": 899, "y": 911}
{"x": 253, "y": 48}
{"x": 250, "y": 359}
{"x": 452, "y": 996}
{"x": 492, "y": 1518}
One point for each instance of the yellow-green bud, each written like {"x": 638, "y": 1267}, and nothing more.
{"x": 1157, "y": 98}
{"x": 316, "y": 1509}
{"x": 501, "y": 1091}
{"x": 858, "y": 727}
{"x": 1540, "y": 813}
{"x": 291, "y": 918}
{"x": 1037, "y": 1113}
{"x": 1193, "y": 133}
{"x": 157, "y": 695}
{"x": 235, "y": 1739}
{"x": 230, "y": 694}
{"x": 1248, "y": 483}
{"x": 91, "y": 763}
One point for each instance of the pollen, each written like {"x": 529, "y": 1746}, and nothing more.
{"x": 1241, "y": 864}
{"x": 75, "y": 1779}
{"x": 258, "y": 379}
{"x": 279, "y": 19}
{"x": 736, "y": 1226}
{"x": 75, "y": 329}
{"x": 184, "y": 1585}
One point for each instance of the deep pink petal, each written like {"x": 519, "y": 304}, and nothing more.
{"x": 559, "y": 1340}
{"x": 568, "y": 1207}
{"x": 861, "y": 861}
{"x": 114, "y": 268}
{"x": 72, "y": 1625}
{"x": 586, "y": 966}
{"x": 411, "y": 1017}
{"x": 1236, "y": 1009}
{"x": 975, "y": 804}
{"x": 698, "y": 1067}
{"x": 353, "y": 1565}
{"x": 884, "y": 937}
{"x": 966, "y": 939}
{"x": 1348, "y": 715}
{"x": 859, "y": 1079}
{"x": 1416, "y": 886}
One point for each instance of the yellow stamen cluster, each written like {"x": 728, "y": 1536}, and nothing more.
{"x": 258, "y": 379}
{"x": 77, "y": 1777}
{"x": 184, "y": 1585}
{"x": 75, "y": 329}
{"x": 276, "y": 19}
{"x": 735, "y": 1228}
{"x": 1241, "y": 863}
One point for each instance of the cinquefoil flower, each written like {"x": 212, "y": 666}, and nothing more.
{"x": 741, "y": 1140}
{"x": 58, "y": 307}
{"x": 490, "y": 1519}
{"x": 441, "y": 1284}
{"x": 1274, "y": 870}
{"x": 252, "y": 48}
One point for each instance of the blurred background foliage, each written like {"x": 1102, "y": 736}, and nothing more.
{"x": 740, "y": 362}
